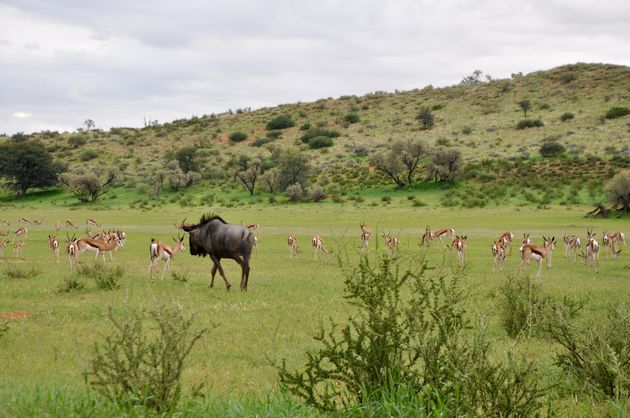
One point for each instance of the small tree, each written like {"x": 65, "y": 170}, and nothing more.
{"x": 187, "y": 159}
{"x": 294, "y": 167}
{"x": 247, "y": 170}
{"x": 474, "y": 78}
{"x": 89, "y": 184}
{"x": 411, "y": 153}
{"x": 446, "y": 165}
{"x": 618, "y": 191}
{"x": 389, "y": 164}
{"x": 295, "y": 192}
{"x": 27, "y": 164}
{"x": 426, "y": 118}
{"x": 89, "y": 124}
{"x": 525, "y": 105}
{"x": 270, "y": 178}
{"x": 551, "y": 149}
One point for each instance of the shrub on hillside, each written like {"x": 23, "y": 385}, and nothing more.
{"x": 551, "y": 149}
{"x": 317, "y": 194}
{"x": 566, "y": 116}
{"x": 351, "y": 117}
{"x": 529, "y": 123}
{"x": 88, "y": 154}
{"x": 315, "y": 132}
{"x": 273, "y": 134}
{"x": 238, "y": 136}
{"x": 295, "y": 192}
{"x": 617, "y": 112}
{"x": 618, "y": 190}
{"x": 320, "y": 142}
{"x": 259, "y": 142}
{"x": 280, "y": 122}
{"x": 75, "y": 141}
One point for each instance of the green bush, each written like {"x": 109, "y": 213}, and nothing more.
{"x": 617, "y": 112}
{"x": 529, "y": 123}
{"x": 320, "y": 142}
{"x": 22, "y": 272}
{"x": 259, "y": 142}
{"x": 88, "y": 154}
{"x": 315, "y": 132}
{"x": 551, "y": 149}
{"x": 521, "y": 306}
{"x": 275, "y": 134}
{"x": 4, "y": 327}
{"x": 280, "y": 122}
{"x": 75, "y": 141}
{"x": 136, "y": 366}
{"x": 70, "y": 284}
{"x": 238, "y": 136}
{"x": 106, "y": 278}
{"x": 409, "y": 334}
{"x": 351, "y": 117}
{"x": 566, "y": 116}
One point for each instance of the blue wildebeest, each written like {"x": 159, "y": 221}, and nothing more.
{"x": 216, "y": 238}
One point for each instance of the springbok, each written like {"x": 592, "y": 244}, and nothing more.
{"x": 57, "y": 226}
{"x": 38, "y": 221}
{"x": 159, "y": 251}
{"x": 91, "y": 222}
{"x": 318, "y": 245}
{"x": 293, "y": 245}
{"x": 391, "y": 241}
{"x": 53, "y": 243}
{"x": 3, "y": 245}
{"x": 20, "y": 231}
{"x": 71, "y": 250}
{"x": 17, "y": 248}
{"x": 99, "y": 247}
{"x": 6, "y": 222}
{"x": 533, "y": 252}
{"x": 366, "y": 233}
{"x": 507, "y": 238}
{"x": 571, "y": 244}
{"x": 526, "y": 241}
{"x": 24, "y": 220}
{"x": 618, "y": 237}
{"x": 70, "y": 224}
{"x": 498, "y": 255}
{"x": 592, "y": 250}
{"x": 255, "y": 228}
{"x": 3, "y": 233}
{"x": 439, "y": 234}
{"x": 460, "y": 244}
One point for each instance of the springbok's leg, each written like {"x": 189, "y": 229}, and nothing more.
{"x": 166, "y": 267}
{"x": 540, "y": 263}
{"x": 217, "y": 263}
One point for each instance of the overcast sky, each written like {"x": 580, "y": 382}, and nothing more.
{"x": 118, "y": 62}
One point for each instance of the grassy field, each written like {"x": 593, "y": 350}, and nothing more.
{"x": 287, "y": 298}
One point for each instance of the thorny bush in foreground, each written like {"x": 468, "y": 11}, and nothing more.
{"x": 410, "y": 332}
{"x": 138, "y": 365}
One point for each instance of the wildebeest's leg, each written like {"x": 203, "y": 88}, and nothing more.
{"x": 217, "y": 264}
{"x": 214, "y": 271}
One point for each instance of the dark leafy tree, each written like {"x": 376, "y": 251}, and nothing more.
{"x": 389, "y": 164}
{"x": 293, "y": 167}
{"x": 270, "y": 178}
{"x": 411, "y": 153}
{"x": 618, "y": 191}
{"x": 551, "y": 149}
{"x": 525, "y": 105}
{"x": 446, "y": 165}
{"x": 187, "y": 159}
{"x": 89, "y": 184}
{"x": 89, "y": 124}
{"x": 26, "y": 164}
{"x": 280, "y": 122}
{"x": 474, "y": 78}
{"x": 426, "y": 118}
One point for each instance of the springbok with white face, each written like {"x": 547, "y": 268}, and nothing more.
{"x": 507, "y": 238}
{"x": 526, "y": 241}
{"x": 391, "y": 241}
{"x": 460, "y": 244}
{"x": 20, "y": 231}
{"x": 159, "y": 251}
{"x": 18, "y": 247}
{"x": 99, "y": 247}
{"x": 293, "y": 245}
{"x": 71, "y": 250}
{"x": 533, "y": 252}
{"x": 498, "y": 255}
{"x": 53, "y": 243}
{"x": 439, "y": 234}
{"x": 571, "y": 244}
{"x": 366, "y": 233}
{"x": 318, "y": 245}
{"x": 592, "y": 250}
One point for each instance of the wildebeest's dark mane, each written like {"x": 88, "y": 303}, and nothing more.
{"x": 210, "y": 217}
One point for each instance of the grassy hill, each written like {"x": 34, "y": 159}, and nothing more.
{"x": 479, "y": 119}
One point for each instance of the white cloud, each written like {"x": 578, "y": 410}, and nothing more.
{"x": 117, "y": 62}
{"x": 21, "y": 115}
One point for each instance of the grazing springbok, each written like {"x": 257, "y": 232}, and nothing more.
{"x": 53, "y": 243}
{"x": 70, "y": 224}
{"x": 91, "y": 222}
{"x": 366, "y": 233}
{"x": 439, "y": 234}
{"x": 38, "y": 221}
{"x": 592, "y": 250}
{"x": 18, "y": 247}
{"x": 507, "y": 238}
{"x": 391, "y": 241}
{"x": 534, "y": 252}
{"x": 99, "y": 247}
{"x": 20, "y": 231}
{"x": 571, "y": 244}
{"x": 3, "y": 233}
{"x": 460, "y": 244}
{"x": 498, "y": 255}
{"x": 318, "y": 245}
{"x": 159, "y": 251}
{"x": 71, "y": 250}
{"x": 24, "y": 220}
{"x": 6, "y": 222}
{"x": 293, "y": 245}
{"x": 216, "y": 238}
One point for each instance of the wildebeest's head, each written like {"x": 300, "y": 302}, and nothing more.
{"x": 199, "y": 233}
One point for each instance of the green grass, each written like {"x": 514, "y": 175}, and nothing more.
{"x": 287, "y": 298}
